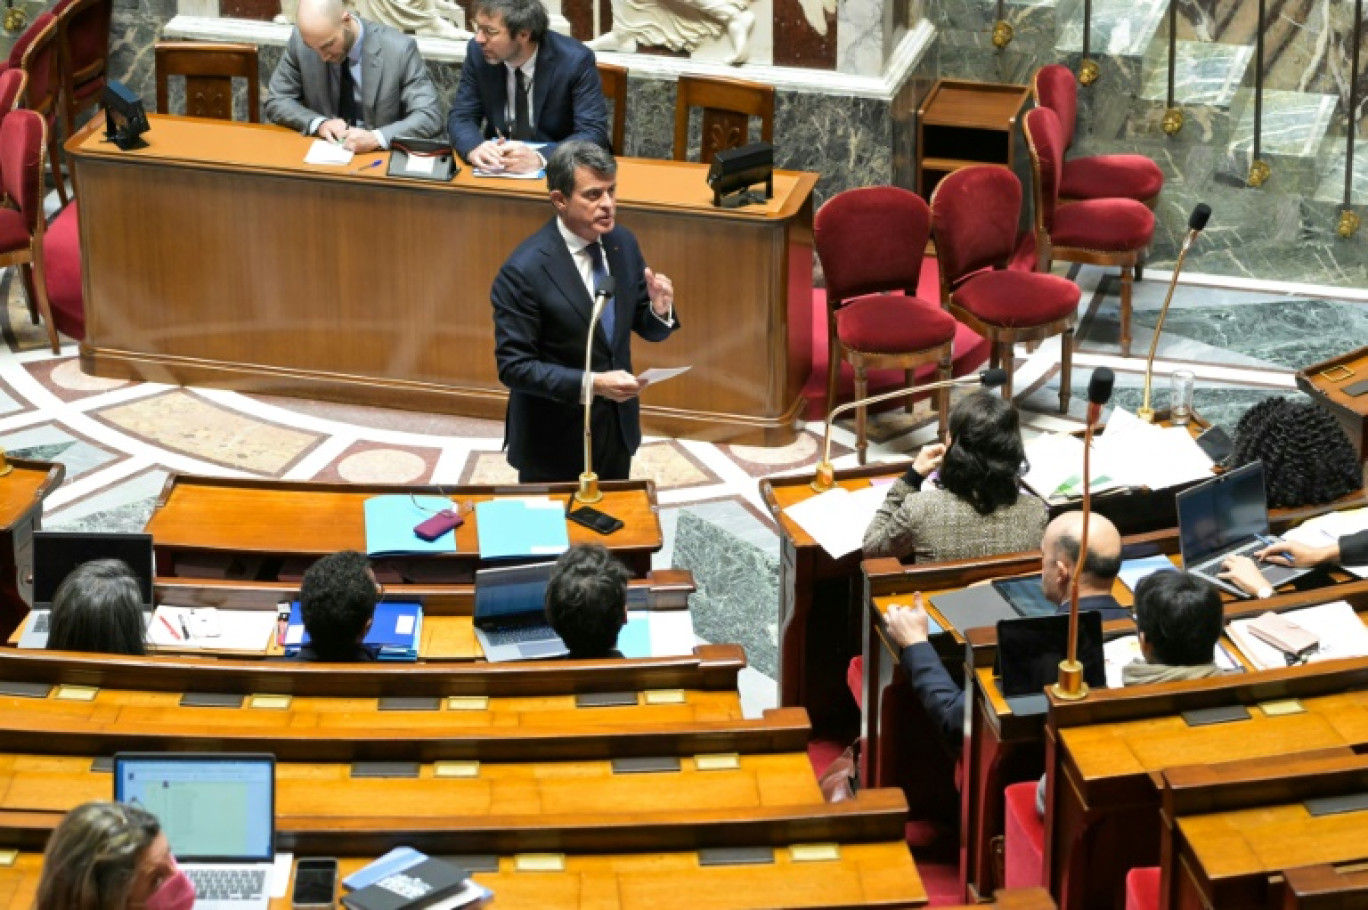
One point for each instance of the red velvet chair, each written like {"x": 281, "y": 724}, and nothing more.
{"x": 871, "y": 242}
{"x": 974, "y": 214}
{"x": 22, "y": 138}
{"x": 1023, "y": 838}
{"x": 41, "y": 64}
{"x": 83, "y": 41}
{"x": 1142, "y": 888}
{"x": 21, "y": 44}
{"x": 12, "y": 84}
{"x": 1097, "y": 176}
{"x": 62, "y": 272}
{"x": 1111, "y": 232}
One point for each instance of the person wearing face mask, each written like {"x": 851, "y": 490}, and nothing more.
{"x": 110, "y": 856}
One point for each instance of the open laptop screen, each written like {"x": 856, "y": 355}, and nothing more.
{"x": 1222, "y": 513}
{"x": 511, "y": 591}
{"x": 212, "y": 808}
{"x": 57, "y": 553}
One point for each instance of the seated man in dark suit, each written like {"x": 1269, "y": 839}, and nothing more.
{"x": 937, "y": 691}
{"x": 352, "y": 82}
{"x": 586, "y": 601}
{"x": 337, "y": 600}
{"x": 521, "y": 83}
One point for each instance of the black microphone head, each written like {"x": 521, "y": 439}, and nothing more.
{"x": 1100, "y": 386}
{"x": 991, "y": 379}
{"x": 607, "y": 287}
{"x": 1200, "y": 216}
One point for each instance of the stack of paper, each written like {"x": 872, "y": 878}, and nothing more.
{"x": 206, "y": 627}
{"x": 657, "y": 633}
{"x": 837, "y": 519}
{"x": 1336, "y": 625}
{"x": 1131, "y": 453}
{"x": 1326, "y": 529}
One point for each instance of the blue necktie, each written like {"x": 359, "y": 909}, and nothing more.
{"x": 600, "y": 272}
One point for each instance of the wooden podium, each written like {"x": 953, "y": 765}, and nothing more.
{"x": 1326, "y": 382}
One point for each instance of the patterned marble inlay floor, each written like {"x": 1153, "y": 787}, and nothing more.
{"x": 121, "y": 440}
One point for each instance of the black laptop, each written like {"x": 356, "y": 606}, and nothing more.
{"x": 57, "y": 553}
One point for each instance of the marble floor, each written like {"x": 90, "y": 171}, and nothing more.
{"x": 120, "y": 440}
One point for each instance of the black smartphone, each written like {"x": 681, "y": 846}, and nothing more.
{"x": 595, "y": 520}
{"x": 315, "y": 884}
{"x": 1216, "y": 443}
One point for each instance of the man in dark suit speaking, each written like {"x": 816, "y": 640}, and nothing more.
{"x": 523, "y": 83}
{"x": 352, "y": 82}
{"x": 543, "y": 300}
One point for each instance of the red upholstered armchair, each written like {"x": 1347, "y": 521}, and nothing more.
{"x": 1097, "y": 176}
{"x": 62, "y": 272}
{"x": 1114, "y": 232}
{"x": 12, "y": 83}
{"x": 974, "y": 214}
{"x": 22, "y": 138}
{"x": 21, "y": 44}
{"x": 871, "y": 242}
{"x": 83, "y": 40}
{"x": 41, "y": 63}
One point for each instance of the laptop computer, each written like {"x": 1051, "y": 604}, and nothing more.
{"x": 1029, "y": 650}
{"x": 1228, "y": 516}
{"x": 510, "y": 614}
{"x": 218, "y": 814}
{"x": 57, "y": 553}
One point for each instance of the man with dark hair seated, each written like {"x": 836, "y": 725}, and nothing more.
{"x": 586, "y": 601}
{"x": 942, "y": 698}
{"x": 337, "y": 600}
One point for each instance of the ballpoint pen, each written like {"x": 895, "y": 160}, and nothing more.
{"x": 170, "y": 628}
{"x": 365, "y": 167}
{"x": 185, "y": 628}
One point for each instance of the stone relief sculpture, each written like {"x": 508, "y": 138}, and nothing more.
{"x": 432, "y": 18}
{"x": 679, "y": 25}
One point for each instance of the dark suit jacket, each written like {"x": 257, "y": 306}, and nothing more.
{"x": 1102, "y": 603}
{"x": 1354, "y": 549}
{"x": 398, "y": 96}
{"x": 936, "y": 690}
{"x": 541, "y": 314}
{"x": 567, "y": 98}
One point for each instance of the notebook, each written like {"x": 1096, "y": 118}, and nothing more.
{"x": 218, "y": 814}
{"x": 1228, "y": 516}
{"x": 57, "y": 553}
{"x": 510, "y": 614}
{"x": 521, "y": 527}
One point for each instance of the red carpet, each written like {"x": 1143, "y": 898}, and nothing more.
{"x": 971, "y": 352}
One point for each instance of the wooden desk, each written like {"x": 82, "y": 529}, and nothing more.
{"x": 1326, "y": 381}
{"x": 1232, "y": 829}
{"x": 217, "y": 517}
{"x": 216, "y": 257}
{"x": 1325, "y": 887}
{"x": 22, "y": 492}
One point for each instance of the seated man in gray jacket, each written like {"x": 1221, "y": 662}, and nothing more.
{"x": 356, "y": 83}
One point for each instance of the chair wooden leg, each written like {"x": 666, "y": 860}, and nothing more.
{"x": 55, "y": 160}
{"x": 1140, "y": 268}
{"x": 860, "y": 413}
{"x": 1008, "y": 362}
{"x": 833, "y": 370}
{"x": 1126, "y": 272}
{"x": 910, "y": 377}
{"x": 943, "y": 374}
{"x": 1065, "y": 370}
{"x": 39, "y": 281}
{"x": 30, "y": 292}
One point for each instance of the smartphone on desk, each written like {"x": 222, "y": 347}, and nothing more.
{"x": 595, "y": 520}
{"x": 315, "y": 884}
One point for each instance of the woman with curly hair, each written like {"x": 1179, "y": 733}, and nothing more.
{"x": 111, "y": 856}
{"x": 975, "y": 507}
{"x": 1307, "y": 458}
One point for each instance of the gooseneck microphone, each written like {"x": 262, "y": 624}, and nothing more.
{"x": 1197, "y": 223}
{"x": 1071, "y": 685}
{"x": 588, "y": 486}
{"x": 826, "y": 474}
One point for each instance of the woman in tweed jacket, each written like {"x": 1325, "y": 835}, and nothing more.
{"x": 976, "y": 506}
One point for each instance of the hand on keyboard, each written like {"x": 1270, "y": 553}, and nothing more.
{"x": 1244, "y": 573}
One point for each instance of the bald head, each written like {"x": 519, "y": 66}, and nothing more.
{"x": 1059, "y": 551}
{"x": 327, "y": 27}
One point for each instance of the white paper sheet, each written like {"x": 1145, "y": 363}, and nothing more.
{"x": 239, "y": 630}
{"x": 1341, "y": 634}
{"x": 838, "y": 518}
{"x": 420, "y": 164}
{"x": 657, "y": 375}
{"x": 324, "y": 152}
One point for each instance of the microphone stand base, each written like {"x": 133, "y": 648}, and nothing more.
{"x": 1071, "y": 686}
{"x": 589, "y": 488}
{"x": 1146, "y": 414}
{"x": 825, "y": 478}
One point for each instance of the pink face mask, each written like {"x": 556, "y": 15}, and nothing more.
{"x": 176, "y": 893}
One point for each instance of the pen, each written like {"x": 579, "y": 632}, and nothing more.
{"x": 365, "y": 167}
{"x": 185, "y": 628}
{"x": 170, "y": 628}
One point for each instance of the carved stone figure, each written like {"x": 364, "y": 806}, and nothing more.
{"x": 678, "y": 25}
{"x": 434, "y": 18}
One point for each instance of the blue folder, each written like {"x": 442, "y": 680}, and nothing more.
{"x": 390, "y": 521}
{"x": 396, "y": 631}
{"x": 512, "y": 528}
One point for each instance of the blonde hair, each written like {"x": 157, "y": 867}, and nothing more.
{"x": 92, "y": 857}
